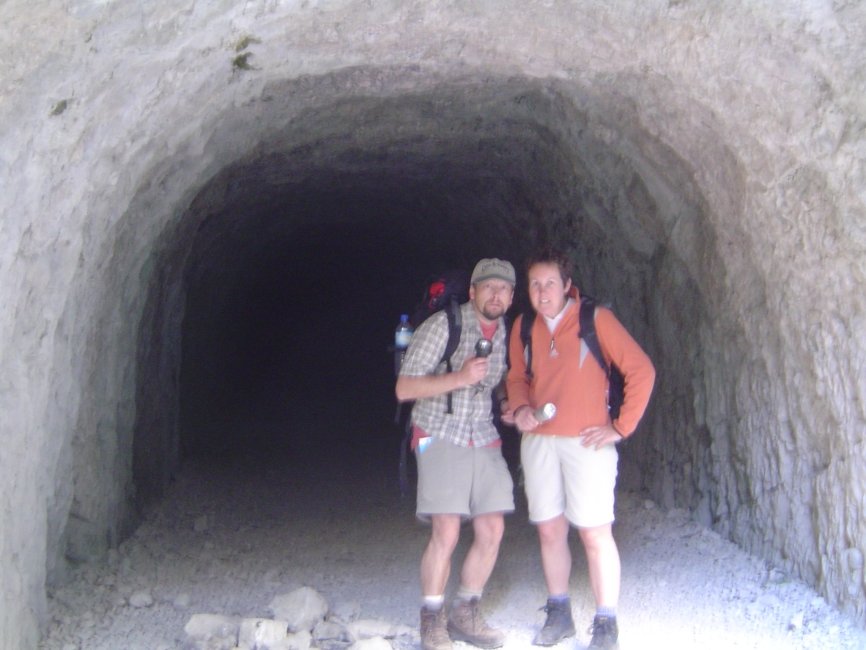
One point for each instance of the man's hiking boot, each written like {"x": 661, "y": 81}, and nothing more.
{"x": 558, "y": 625}
{"x": 434, "y": 635}
{"x": 465, "y": 623}
{"x": 604, "y": 633}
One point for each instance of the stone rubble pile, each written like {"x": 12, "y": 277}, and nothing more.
{"x": 302, "y": 620}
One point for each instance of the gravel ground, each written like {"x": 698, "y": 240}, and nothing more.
{"x": 238, "y": 529}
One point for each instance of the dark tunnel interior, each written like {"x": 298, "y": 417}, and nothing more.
{"x": 286, "y": 338}
{"x": 296, "y": 260}
{"x": 299, "y": 343}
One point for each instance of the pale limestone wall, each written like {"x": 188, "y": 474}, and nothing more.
{"x": 716, "y": 153}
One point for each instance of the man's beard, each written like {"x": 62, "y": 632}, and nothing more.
{"x": 485, "y": 311}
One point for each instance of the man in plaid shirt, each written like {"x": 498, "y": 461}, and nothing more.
{"x": 461, "y": 471}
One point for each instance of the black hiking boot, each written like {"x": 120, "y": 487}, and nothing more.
{"x": 558, "y": 625}
{"x": 604, "y": 633}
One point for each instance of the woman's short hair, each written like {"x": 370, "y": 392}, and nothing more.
{"x": 551, "y": 255}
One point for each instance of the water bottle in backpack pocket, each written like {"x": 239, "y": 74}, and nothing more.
{"x": 402, "y": 338}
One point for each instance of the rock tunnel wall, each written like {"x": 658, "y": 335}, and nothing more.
{"x": 704, "y": 164}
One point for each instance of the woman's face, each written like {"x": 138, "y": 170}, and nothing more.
{"x": 547, "y": 292}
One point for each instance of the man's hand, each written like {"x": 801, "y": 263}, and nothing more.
{"x": 473, "y": 370}
{"x": 422, "y": 386}
{"x": 505, "y": 413}
{"x": 598, "y": 437}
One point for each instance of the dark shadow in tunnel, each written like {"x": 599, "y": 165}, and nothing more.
{"x": 295, "y": 348}
{"x": 296, "y": 361}
{"x": 289, "y": 297}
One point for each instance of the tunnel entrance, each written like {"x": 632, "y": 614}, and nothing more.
{"x": 285, "y": 392}
{"x": 295, "y": 261}
{"x": 277, "y": 289}
{"x": 170, "y": 167}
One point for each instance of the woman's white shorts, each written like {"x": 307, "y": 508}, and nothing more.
{"x": 563, "y": 476}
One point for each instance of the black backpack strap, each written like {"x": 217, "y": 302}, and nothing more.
{"x": 587, "y": 331}
{"x": 526, "y": 322}
{"x": 403, "y": 463}
{"x": 615, "y": 378}
{"x": 455, "y": 325}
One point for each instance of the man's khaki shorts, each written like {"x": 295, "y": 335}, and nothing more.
{"x": 563, "y": 476}
{"x": 465, "y": 481}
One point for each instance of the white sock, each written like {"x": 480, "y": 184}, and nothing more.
{"x": 433, "y": 603}
{"x": 467, "y": 594}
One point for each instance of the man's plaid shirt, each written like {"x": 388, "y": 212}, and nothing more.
{"x": 472, "y": 420}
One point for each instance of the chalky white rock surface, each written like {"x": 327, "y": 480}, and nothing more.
{"x": 377, "y": 643}
{"x": 302, "y": 609}
{"x": 262, "y": 633}
{"x": 208, "y": 628}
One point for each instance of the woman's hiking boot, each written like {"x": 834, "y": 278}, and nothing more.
{"x": 465, "y": 623}
{"x": 559, "y": 623}
{"x": 604, "y": 633}
{"x": 434, "y": 635}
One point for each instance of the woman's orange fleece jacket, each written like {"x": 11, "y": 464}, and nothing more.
{"x": 565, "y": 372}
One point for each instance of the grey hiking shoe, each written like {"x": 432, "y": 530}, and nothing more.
{"x": 434, "y": 635}
{"x": 465, "y": 623}
{"x": 559, "y": 623}
{"x": 605, "y": 633}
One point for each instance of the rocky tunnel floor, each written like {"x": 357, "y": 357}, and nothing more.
{"x": 240, "y": 528}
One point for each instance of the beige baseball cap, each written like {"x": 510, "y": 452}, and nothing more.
{"x": 493, "y": 267}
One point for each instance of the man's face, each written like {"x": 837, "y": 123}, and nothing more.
{"x": 491, "y": 298}
{"x": 547, "y": 293}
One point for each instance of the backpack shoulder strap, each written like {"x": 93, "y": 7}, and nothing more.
{"x": 587, "y": 331}
{"x": 526, "y": 322}
{"x": 455, "y": 326}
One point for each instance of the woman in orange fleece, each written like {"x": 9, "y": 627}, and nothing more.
{"x": 569, "y": 462}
